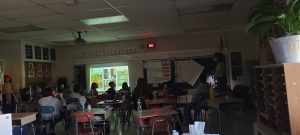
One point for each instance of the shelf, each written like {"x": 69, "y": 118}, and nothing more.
{"x": 271, "y": 91}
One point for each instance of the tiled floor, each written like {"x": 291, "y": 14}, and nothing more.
{"x": 231, "y": 125}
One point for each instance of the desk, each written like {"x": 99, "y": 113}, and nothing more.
{"x": 215, "y": 103}
{"x": 110, "y": 103}
{"x": 100, "y": 112}
{"x": 20, "y": 119}
{"x": 160, "y": 101}
{"x": 154, "y": 112}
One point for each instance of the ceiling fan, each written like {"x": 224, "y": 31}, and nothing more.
{"x": 78, "y": 38}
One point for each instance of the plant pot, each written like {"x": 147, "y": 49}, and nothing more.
{"x": 286, "y": 49}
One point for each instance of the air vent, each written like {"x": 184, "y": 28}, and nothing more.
{"x": 207, "y": 9}
{"x": 26, "y": 28}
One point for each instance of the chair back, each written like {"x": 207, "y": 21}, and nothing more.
{"x": 48, "y": 111}
{"x": 83, "y": 117}
{"x": 160, "y": 124}
{"x": 109, "y": 112}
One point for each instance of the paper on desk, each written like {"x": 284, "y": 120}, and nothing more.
{"x": 6, "y": 124}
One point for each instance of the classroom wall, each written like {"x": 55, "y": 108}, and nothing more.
{"x": 68, "y": 56}
{"x": 237, "y": 41}
{"x": 10, "y": 52}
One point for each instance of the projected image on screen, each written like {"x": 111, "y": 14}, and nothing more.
{"x": 103, "y": 75}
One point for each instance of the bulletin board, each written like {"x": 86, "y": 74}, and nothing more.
{"x": 158, "y": 71}
{"x": 37, "y": 72}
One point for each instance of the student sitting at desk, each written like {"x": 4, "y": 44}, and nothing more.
{"x": 76, "y": 94}
{"x": 94, "y": 91}
{"x": 111, "y": 91}
{"x": 51, "y": 98}
{"x": 125, "y": 89}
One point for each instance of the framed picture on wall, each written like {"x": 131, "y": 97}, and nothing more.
{"x": 38, "y": 52}
{"x": 28, "y": 51}
{"x": 52, "y": 54}
{"x": 45, "y": 53}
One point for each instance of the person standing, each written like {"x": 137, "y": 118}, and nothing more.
{"x": 141, "y": 91}
{"x": 220, "y": 73}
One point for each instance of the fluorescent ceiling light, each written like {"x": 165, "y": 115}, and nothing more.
{"x": 105, "y": 20}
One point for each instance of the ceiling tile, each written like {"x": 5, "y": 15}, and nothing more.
{"x": 92, "y": 14}
{"x": 81, "y": 7}
{"x": 199, "y": 3}
{"x": 99, "y": 36}
{"x": 45, "y": 2}
{"x": 44, "y": 19}
{"x": 26, "y": 12}
{"x": 14, "y": 4}
{"x": 136, "y": 2}
{"x": 57, "y": 37}
{"x": 10, "y": 23}
{"x": 67, "y": 26}
{"x": 207, "y": 17}
{"x": 40, "y": 33}
{"x": 115, "y": 25}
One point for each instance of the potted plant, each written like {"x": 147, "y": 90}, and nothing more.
{"x": 280, "y": 23}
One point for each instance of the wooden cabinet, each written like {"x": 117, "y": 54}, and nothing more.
{"x": 278, "y": 97}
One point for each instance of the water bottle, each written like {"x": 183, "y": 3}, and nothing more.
{"x": 139, "y": 103}
{"x": 175, "y": 132}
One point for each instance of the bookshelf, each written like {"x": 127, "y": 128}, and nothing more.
{"x": 271, "y": 97}
{"x": 277, "y": 92}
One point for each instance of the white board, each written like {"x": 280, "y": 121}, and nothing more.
{"x": 6, "y": 124}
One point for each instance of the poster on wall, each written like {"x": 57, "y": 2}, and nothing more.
{"x": 52, "y": 54}
{"x": 45, "y": 53}
{"x": 38, "y": 52}
{"x": 28, "y": 51}
{"x": 39, "y": 72}
{"x": 30, "y": 71}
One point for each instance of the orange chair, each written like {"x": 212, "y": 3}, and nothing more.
{"x": 86, "y": 118}
{"x": 159, "y": 125}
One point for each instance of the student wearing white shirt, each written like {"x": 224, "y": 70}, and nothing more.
{"x": 51, "y": 98}
{"x": 76, "y": 92}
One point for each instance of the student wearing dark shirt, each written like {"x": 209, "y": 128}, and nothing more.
{"x": 94, "y": 91}
{"x": 141, "y": 91}
{"x": 220, "y": 73}
{"x": 111, "y": 92}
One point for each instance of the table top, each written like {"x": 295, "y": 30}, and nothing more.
{"x": 160, "y": 101}
{"x": 215, "y": 103}
{"x": 110, "y": 103}
{"x": 97, "y": 111}
{"x": 154, "y": 112}
{"x": 21, "y": 119}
